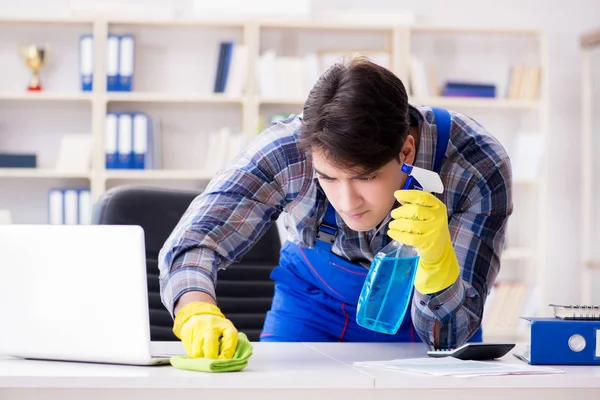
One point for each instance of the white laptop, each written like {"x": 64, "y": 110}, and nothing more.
{"x": 76, "y": 293}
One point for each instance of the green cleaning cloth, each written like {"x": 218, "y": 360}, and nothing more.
{"x": 242, "y": 354}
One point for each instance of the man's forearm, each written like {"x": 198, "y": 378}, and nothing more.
{"x": 192, "y": 296}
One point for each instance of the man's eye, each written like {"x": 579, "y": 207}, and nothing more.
{"x": 368, "y": 178}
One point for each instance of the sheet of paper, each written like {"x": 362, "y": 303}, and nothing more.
{"x": 450, "y": 366}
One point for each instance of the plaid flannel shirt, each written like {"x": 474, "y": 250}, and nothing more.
{"x": 272, "y": 176}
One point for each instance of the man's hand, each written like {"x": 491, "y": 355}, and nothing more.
{"x": 422, "y": 221}
{"x": 204, "y": 331}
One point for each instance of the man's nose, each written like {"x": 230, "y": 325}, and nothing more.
{"x": 350, "y": 200}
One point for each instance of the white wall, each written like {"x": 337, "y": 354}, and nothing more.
{"x": 563, "y": 21}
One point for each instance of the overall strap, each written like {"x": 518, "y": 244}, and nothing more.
{"x": 444, "y": 124}
{"x": 328, "y": 228}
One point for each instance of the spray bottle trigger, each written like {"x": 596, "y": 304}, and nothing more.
{"x": 412, "y": 184}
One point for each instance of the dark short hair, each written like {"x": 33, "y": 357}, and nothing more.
{"x": 357, "y": 115}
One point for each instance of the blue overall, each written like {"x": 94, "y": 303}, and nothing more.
{"x": 317, "y": 291}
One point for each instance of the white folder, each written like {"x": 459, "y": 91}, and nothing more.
{"x": 55, "y": 207}
{"x": 71, "y": 207}
{"x": 86, "y": 62}
{"x": 126, "y": 62}
{"x": 112, "y": 63}
{"x": 110, "y": 141}
{"x": 84, "y": 207}
{"x": 125, "y": 141}
{"x": 140, "y": 141}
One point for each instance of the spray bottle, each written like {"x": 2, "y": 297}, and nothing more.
{"x": 387, "y": 290}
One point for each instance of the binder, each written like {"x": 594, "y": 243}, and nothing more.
{"x": 84, "y": 207}
{"x": 71, "y": 206}
{"x": 55, "y": 207}
{"x": 110, "y": 141}
{"x": 86, "y": 62}
{"x": 112, "y": 63}
{"x": 555, "y": 341}
{"x": 141, "y": 138}
{"x": 126, "y": 63}
{"x": 229, "y": 46}
{"x": 220, "y": 68}
{"x": 125, "y": 141}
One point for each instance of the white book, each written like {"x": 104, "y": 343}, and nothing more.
{"x": 71, "y": 207}
{"x": 266, "y": 70}
{"x": 112, "y": 62}
{"x": 55, "y": 207}
{"x": 238, "y": 71}
{"x": 86, "y": 61}
{"x": 140, "y": 141}
{"x": 84, "y": 207}
{"x": 126, "y": 62}
{"x": 125, "y": 141}
{"x": 110, "y": 140}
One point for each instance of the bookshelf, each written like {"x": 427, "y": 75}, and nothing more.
{"x": 173, "y": 82}
{"x": 590, "y": 88}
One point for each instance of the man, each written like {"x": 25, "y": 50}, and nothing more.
{"x": 336, "y": 172}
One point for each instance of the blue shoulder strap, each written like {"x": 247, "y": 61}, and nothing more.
{"x": 443, "y": 123}
{"x": 328, "y": 229}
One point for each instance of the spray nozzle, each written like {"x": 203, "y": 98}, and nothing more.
{"x": 422, "y": 179}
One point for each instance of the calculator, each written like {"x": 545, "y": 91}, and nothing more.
{"x": 474, "y": 351}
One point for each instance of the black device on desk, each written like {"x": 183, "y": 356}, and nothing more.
{"x": 474, "y": 351}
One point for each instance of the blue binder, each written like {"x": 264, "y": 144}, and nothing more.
{"x": 111, "y": 140}
{"x": 126, "y": 63}
{"x": 125, "y": 140}
{"x": 555, "y": 341}
{"x": 141, "y": 141}
{"x": 86, "y": 62}
{"x": 112, "y": 64}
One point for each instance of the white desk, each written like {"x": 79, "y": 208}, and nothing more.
{"x": 284, "y": 371}
{"x": 578, "y": 382}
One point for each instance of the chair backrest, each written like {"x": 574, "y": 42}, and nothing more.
{"x": 244, "y": 290}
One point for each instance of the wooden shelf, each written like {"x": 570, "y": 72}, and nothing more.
{"x": 276, "y": 101}
{"x": 184, "y": 22}
{"x": 45, "y": 96}
{"x": 157, "y": 97}
{"x": 451, "y": 102}
{"x": 24, "y": 20}
{"x": 158, "y": 175}
{"x": 464, "y": 102}
{"x": 316, "y": 24}
{"x": 474, "y": 30}
{"x": 41, "y": 173}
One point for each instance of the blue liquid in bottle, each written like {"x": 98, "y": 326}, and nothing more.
{"x": 387, "y": 291}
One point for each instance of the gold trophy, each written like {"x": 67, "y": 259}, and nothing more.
{"x": 35, "y": 57}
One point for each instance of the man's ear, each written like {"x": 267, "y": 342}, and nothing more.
{"x": 408, "y": 151}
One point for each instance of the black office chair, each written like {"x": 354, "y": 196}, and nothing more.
{"x": 244, "y": 290}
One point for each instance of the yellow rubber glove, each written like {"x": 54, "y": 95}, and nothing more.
{"x": 205, "y": 332}
{"x": 422, "y": 221}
